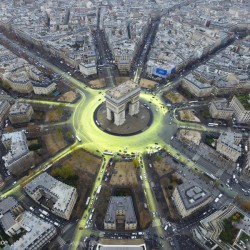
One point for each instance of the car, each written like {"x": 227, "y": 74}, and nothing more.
{"x": 216, "y": 200}
{"x": 220, "y": 195}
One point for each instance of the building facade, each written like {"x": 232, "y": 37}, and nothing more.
{"x": 4, "y": 108}
{"x": 88, "y": 69}
{"x": 219, "y": 109}
{"x": 19, "y": 158}
{"x": 241, "y": 113}
{"x": 228, "y": 145}
{"x": 20, "y": 113}
{"x": 38, "y": 232}
{"x": 196, "y": 87}
{"x": 189, "y": 197}
{"x": 63, "y": 196}
{"x": 121, "y": 99}
{"x": 120, "y": 212}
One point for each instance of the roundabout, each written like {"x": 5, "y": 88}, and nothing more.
{"x": 95, "y": 138}
{"x": 133, "y": 125}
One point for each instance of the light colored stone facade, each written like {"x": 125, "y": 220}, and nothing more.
{"x": 120, "y": 99}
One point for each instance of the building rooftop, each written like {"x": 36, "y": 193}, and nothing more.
{"x": 192, "y": 195}
{"x": 120, "y": 203}
{"x": 49, "y": 184}
{"x": 36, "y": 229}
{"x": 122, "y": 90}
{"x": 231, "y": 140}
{"x": 17, "y": 144}
{"x": 222, "y": 104}
{"x": 19, "y": 108}
{"x": 128, "y": 244}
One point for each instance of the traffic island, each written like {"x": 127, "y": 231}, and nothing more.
{"x": 133, "y": 124}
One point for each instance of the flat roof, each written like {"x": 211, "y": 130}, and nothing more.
{"x": 192, "y": 195}
{"x": 124, "y": 203}
{"x": 123, "y": 244}
{"x": 123, "y": 89}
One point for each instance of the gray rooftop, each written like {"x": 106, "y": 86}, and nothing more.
{"x": 19, "y": 108}
{"x": 229, "y": 139}
{"x": 120, "y": 203}
{"x": 192, "y": 195}
{"x": 7, "y": 204}
{"x": 123, "y": 90}
{"x": 121, "y": 248}
{"x": 37, "y": 230}
{"x": 61, "y": 191}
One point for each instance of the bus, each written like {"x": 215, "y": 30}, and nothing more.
{"x": 78, "y": 138}
{"x": 212, "y": 124}
{"x": 47, "y": 167}
{"x": 99, "y": 189}
{"x": 210, "y": 176}
{"x": 87, "y": 202}
{"x": 108, "y": 153}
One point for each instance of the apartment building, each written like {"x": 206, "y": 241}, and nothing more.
{"x": 219, "y": 109}
{"x": 189, "y": 197}
{"x": 241, "y": 107}
{"x": 228, "y": 145}
{"x": 120, "y": 214}
{"x": 19, "y": 158}
{"x": 44, "y": 87}
{"x": 9, "y": 210}
{"x": 62, "y": 195}
{"x": 88, "y": 69}
{"x": 196, "y": 87}
{"x": 4, "y": 109}
{"x": 38, "y": 232}
{"x": 20, "y": 113}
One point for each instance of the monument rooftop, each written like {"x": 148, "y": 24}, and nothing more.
{"x": 123, "y": 89}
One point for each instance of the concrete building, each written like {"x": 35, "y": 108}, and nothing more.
{"x": 44, "y": 87}
{"x": 62, "y": 197}
{"x": 196, "y": 87}
{"x": 189, "y": 197}
{"x": 120, "y": 99}
{"x": 247, "y": 166}
{"x": 228, "y": 145}
{"x": 107, "y": 244}
{"x": 20, "y": 113}
{"x": 120, "y": 214}
{"x": 9, "y": 210}
{"x": 241, "y": 108}
{"x": 88, "y": 69}
{"x": 4, "y": 108}
{"x": 19, "y": 158}
{"x": 37, "y": 232}
{"x": 219, "y": 109}
{"x": 20, "y": 82}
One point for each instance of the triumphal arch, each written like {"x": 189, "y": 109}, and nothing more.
{"x": 121, "y": 100}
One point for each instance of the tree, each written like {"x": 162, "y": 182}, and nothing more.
{"x": 174, "y": 178}
{"x": 158, "y": 158}
{"x": 136, "y": 163}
